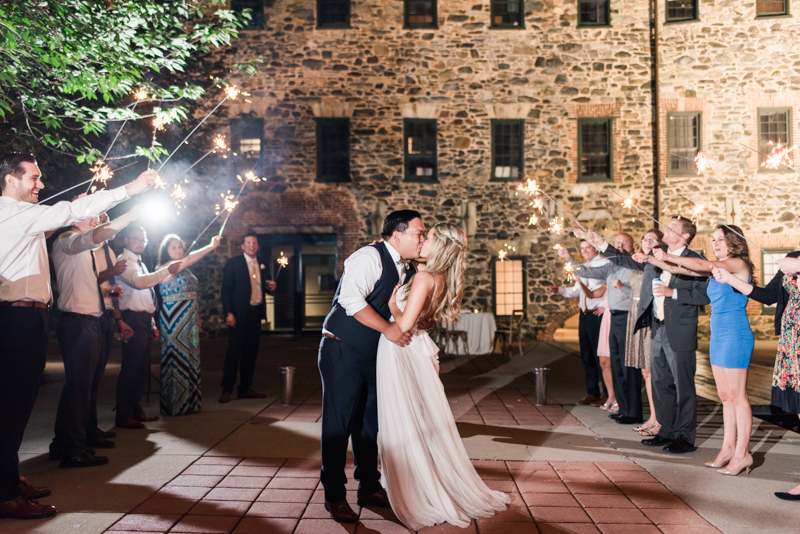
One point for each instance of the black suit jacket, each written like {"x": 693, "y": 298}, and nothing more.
{"x": 680, "y": 315}
{"x": 236, "y": 288}
{"x": 774, "y": 292}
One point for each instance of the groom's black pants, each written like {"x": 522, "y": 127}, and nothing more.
{"x": 349, "y": 411}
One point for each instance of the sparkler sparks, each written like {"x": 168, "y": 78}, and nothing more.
{"x": 232, "y": 91}
{"x": 703, "y": 163}
{"x": 249, "y": 176}
{"x": 140, "y": 94}
{"x": 556, "y": 226}
{"x": 158, "y": 124}
{"x": 628, "y": 202}
{"x": 179, "y": 195}
{"x": 697, "y": 213}
{"x": 570, "y": 272}
{"x": 530, "y": 188}
{"x": 101, "y": 172}
{"x": 219, "y": 143}
{"x": 229, "y": 203}
{"x": 502, "y": 255}
{"x": 778, "y": 156}
{"x": 283, "y": 261}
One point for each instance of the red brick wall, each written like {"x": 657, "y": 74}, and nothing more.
{"x": 328, "y": 206}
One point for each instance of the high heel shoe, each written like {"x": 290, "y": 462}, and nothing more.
{"x": 717, "y": 465}
{"x": 747, "y": 466}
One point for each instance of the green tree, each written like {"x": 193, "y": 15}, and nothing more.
{"x": 72, "y": 67}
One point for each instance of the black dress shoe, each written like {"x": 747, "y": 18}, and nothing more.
{"x": 680, "y": 446}
{"x": 84, "y": 459}
{"x": 250, "y": 394}
{"x": 787, "y": 496}
{"x": 104, "y": 434}
{"x": 55, "y": 456}
{"x": 102, "y": 443}
{"x": 656, "y": 441}
{"x": 628, "y": 420}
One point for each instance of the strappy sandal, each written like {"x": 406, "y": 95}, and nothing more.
{"x": 652, "y": 431}
{"x": 614, "y": 408}
{"x": 646, "y": 426}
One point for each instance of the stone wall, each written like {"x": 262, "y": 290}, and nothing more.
{"x": 463, "y": 74}
{"x": 727, "y": 65}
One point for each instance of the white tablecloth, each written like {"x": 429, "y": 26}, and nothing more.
{"x": 480, "y": 329}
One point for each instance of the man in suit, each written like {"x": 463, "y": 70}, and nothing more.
{"x": 244, "y": 283}
{"x": 347, "y": 359}
{"x": 668, "y": 304}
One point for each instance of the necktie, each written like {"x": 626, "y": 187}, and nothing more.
{"x": 97, "y": 282}
{"x": 152, "y": 291}
{"x": 112, "y": 279}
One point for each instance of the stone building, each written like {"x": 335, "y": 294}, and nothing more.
{"x": 362, "y": 107}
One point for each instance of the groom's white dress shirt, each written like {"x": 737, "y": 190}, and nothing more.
{"x": 362, "y": 270}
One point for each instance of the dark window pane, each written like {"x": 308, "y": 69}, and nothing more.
{"x": 256, "y": 12}
{"x": 333, "y": 150}
{"x": 507, "y": 140}
{"x": 771, "y": 7}
{"x": 420, "y": 150}
{"x": 683, "y": 140}
{"x": 595, "y": 149}
{"x": 592, "y": 13}
{"x": 333, "y": 13}
{"x": 420, "y": 13}
{"x": 507, "y": 13}
{"x": 681, "y": 10}
{"x": 773, "y": 128}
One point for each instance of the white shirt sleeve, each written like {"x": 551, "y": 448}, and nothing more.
{"x": 362, "y": 270}
{"x": 603, "y": 247}
{"x": 570, "y": 292}
{"x": 75, "y": 243}
{"x": 33, "y": 219}
{"x": 137, "y": 280}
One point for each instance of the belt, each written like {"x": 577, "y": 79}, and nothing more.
{"x": 619, "y": 312}
{"x": 22, "y": 304}
{"x": 326, "y": 334}
{"x": 143, "y": 314}
{"x": 587, "y": 312}
{"x": 80, "y": 316}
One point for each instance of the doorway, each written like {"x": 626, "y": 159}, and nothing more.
{"x": 306, "y": 286}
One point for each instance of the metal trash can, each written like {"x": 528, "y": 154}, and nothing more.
{"x": 540, "y": 373}
{"x": 287, "y": 385}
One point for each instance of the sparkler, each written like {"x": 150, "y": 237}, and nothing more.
{"x": 723, "y": 224}
{"x": 556, "y": 225}
{"x": 779, "y": 156}
{"x": 219, "y": 144}
{"x": 628, "y": 202}
{"x": 283, "y": 261}
{"x": 706, "y": 164}
{"x": 568, "y": 269}
{"x": 230, "y": 92}
{"x": 179, "y": 195}
{"x": 531, "y": 188}
{"x": 101, "y": 173}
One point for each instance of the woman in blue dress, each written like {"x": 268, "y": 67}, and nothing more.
{"x": 180, "y": 329}
{"x": 731, "y": 340}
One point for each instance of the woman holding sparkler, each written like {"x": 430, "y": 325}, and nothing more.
{"x": 180, "y": 329}
{"x": 731, "y": 339}
{"x": 427, "y": 473}
{"x": 637, "y": 350}
{"x": 784, "y": 291}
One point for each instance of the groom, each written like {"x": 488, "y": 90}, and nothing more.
{"x": 347, "y": 355}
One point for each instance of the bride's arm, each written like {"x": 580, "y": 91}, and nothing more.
{"x": 420, "y": 289}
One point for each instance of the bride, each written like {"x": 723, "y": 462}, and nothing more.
{"x": 426, "y": 470}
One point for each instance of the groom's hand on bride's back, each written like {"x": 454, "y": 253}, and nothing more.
{"x": 397, "y": 336}
{"x": 424, "y": 322}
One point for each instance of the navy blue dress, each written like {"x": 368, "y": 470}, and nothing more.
{"x": 731, "y": 343}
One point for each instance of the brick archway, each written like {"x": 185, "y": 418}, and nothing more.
{"x": 299, "y": 211}
{"x": 556, "y": 321}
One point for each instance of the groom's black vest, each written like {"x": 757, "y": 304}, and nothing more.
{"x": 354, "y": 334}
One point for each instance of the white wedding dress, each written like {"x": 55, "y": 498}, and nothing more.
{"x": 425, "y": 468}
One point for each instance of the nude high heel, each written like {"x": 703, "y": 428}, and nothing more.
{"x": 717, "y": 466}
{"x": 747, "y": 466}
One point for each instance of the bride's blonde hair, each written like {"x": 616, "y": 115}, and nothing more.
{"x": 447, "y": 257}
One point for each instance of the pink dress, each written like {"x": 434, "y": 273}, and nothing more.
{"x": 603, "y": 348}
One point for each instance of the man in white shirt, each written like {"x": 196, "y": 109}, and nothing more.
{"x": 25, "y": 296}
{"x": 244, "y": 283}
{"x": 347, "y": 357}
{"x": 139, "y": 306}
{"x": 83, "y": 311}
{"x": 588, "y": 323}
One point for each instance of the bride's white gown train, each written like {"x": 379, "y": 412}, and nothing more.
{"x": 425, "y": 468}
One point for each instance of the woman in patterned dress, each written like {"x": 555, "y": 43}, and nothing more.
{"x": 637, "y": 345}
{"x": 783, "y": 290}
{"x": 180, "y": 329}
